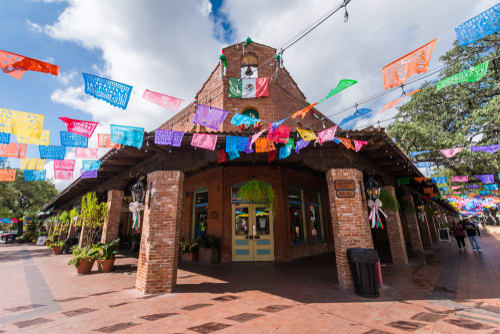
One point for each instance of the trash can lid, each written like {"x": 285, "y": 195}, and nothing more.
{"x": 362, "y": 255}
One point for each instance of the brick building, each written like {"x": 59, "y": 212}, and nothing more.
{"x": 321, "y": 204}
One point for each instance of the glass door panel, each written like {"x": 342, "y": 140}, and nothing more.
{"x": 263, "y": 234}
{"x": 242, "y": 249}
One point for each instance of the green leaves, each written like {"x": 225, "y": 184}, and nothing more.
{"x": 460, "y": 115}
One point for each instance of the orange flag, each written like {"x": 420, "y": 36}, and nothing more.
{"x": 420, "y": 179}
{"x": 16, "y": 65}
{"x": 304, "y": 111}
{"x": 263, "y": 145}
{"x": 393, "y": 103}
{"x": 415, "y": 62}
{"x": 347, "y": 143}
{"x": 8, "y": 175}
{"x": 13, "y": 150}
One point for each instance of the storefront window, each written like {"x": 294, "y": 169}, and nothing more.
{"x": 317, "y": 232}
{"x": 200, "y": 209}
{"x": 296, "y": 213}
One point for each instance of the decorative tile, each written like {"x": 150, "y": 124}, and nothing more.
{"x": 153, "y": 317}
{"x": 24, "y": 308}
{"x": 32, "y": 322}
{"x": 209, "y": 327}
{"x": 116, "y": 327}
{"x": 469, "y": 324}
{"x": 407, "y": 326}
{"x": 195, "y": 307}
{"x": 226, "y": 298}
{"x": 243, "y": 317}
{"x": 429, "y": 317}
{"x": 274, "y": 308}
{"x": 68, "y": 299}
{"x": 79, "y": 311}
{"x": 102, "y": 293}
{"x": 119, "y": 304}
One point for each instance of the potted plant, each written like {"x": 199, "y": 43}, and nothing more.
{"x": 83, "y": 259}
{"x": 57, "y": 247}
{"x": 51, "y": 239}
{"x": 209, "y": 249}
{"x": 107, "y": 253}
{"x": 189, "y": 251}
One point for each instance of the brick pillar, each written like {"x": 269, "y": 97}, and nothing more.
{"x": 112, "y": 221}
{"x": 350, "y": 223}
{"x": 425, "y": 231}
{"x": 413, "y": 228}
{"x": 431, "y": 221}
{"x": 161, "y": 230}
{"x": 395, "y": 232}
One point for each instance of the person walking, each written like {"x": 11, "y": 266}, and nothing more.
{"x": 472, "y": 231}
{"x": 459, "y": 234}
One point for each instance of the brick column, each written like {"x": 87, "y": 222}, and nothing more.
{"x": 425, "y": 231}
{"x": 350, "y": 224}
{"x": 431, "y": 221}
{"x": 395, "y": 232}
{"x": 112, "y": 221}
{"x": 414, "y": 230}
{"x": 161, "y": 230}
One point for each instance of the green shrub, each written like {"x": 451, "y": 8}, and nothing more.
{"x": 258, "y": 191}
{"x": 388, "y": 201}
{"x": 54, "y": 244}
{"x": 189, "y": 247}
{"x": 109, "y": 250}
{"x": 208, "y": 241}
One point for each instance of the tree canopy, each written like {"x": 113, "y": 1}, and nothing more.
{"x": 21, "y": 198}
{"x": 461, "y": 115}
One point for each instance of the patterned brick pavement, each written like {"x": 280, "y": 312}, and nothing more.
{"x": 449, "y": 292}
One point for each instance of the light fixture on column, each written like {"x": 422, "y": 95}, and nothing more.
{"x": 372, "y": 188}
{"x": 138, "y": 191}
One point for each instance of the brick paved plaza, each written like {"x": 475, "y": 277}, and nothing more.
{"x": 453, "y": 292}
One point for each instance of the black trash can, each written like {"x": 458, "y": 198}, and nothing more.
{"x": 363, "y": 264}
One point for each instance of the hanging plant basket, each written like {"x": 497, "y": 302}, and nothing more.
{"x": 258, "y": 191}
{"x": 388, "y": 200}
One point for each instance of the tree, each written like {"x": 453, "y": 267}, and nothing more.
{"x": 462, "y": 115}
{"x": 21, "y": 198}
{"x": 92, "y": 214}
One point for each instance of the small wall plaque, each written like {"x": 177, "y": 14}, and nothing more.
{"x": 344, "y": 184}
{"x": 346, "y": 193}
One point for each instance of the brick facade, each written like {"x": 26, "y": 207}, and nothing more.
{"x": 161, "y": 229}
{"x": 395, "y": 232}
{"x": 413, "y": 228}
{"x": 349, "y": 217}
{"x": 112, "y": 221}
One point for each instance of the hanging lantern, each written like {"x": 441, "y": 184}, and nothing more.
{"x": 138, "y": 191}
{"x": 372, "y": 188}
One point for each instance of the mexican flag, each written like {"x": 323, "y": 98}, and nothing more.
{"x": 248, "y": 87}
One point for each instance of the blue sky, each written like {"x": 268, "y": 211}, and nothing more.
{"x": 172, "y": 47}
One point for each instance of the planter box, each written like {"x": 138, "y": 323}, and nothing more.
{"x": 57, "y": 250}
{"x": 189, "y": 257}
{"x": 209, "y": 255}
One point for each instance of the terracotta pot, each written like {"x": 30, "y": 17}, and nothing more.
{"x": 107, "y": 265}
{"x": 209, "y": 255}
{"x": 57, "y": 250}
{"x": 189, "y": 257}
{"x": 84, "y": 267}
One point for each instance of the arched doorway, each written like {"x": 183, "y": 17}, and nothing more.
{"x": 252, "y": 229}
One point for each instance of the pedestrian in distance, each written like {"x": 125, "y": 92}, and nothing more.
{"x": 472, "y": 231}
{"x": 459, "y": 234}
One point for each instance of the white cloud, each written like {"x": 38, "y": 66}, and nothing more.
{"x": 34, "y": 27}
{"x": 160, "y": 45}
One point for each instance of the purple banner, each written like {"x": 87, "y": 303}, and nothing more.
{"x": 300, "y": 145}
{"x": 248, "y": 146}
{"x": 210, "y": 117}
{"x": 88, "y": 174}
{"x": 485, "y": 178}
{"x": 487, "y": 148}
{"x": 169, "y": 137}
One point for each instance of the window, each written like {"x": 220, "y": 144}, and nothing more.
{"x": 251, "y": 113}
{"x": 296, "y": 213}
{"x": 200, "y": 210}
{"x": 317, "y": 229}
